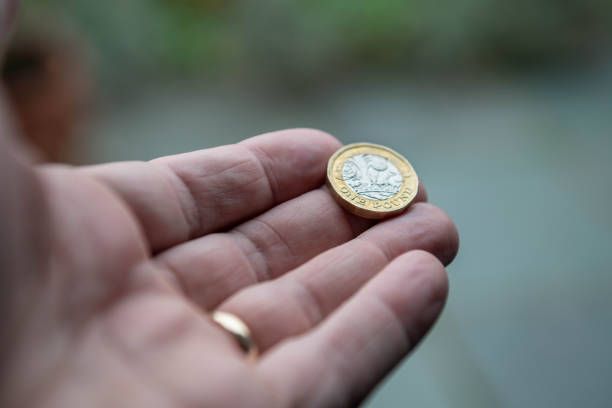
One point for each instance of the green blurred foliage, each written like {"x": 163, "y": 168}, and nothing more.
{"x": 317, "y": 40}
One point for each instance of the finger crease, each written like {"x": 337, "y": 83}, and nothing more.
{"x": 270, "y": 175}
{"x": 395, "y": 320}
{"x": 314, "y": 310}
{"x": 276, "y": 236}
{"x": 260, "y": 274}
{"x": 384, "y": 253}
{"x": 177, "y": 278}
{"x": 192, "y": 218}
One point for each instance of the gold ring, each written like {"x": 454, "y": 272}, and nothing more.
{"x": 238, "y": 330}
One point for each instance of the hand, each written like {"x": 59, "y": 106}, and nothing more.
{"x": 115, "y": 268}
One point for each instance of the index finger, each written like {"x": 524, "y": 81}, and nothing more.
{"x": 177, "y": 198}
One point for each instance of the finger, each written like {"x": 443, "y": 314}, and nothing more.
{"x": 300, "y": 299}
{"x": 339, "y": 362}
{"x": 180, "y": 197}
{"x": 213, "y": 267}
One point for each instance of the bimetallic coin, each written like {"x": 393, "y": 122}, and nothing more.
{"x": 371, "y": 181}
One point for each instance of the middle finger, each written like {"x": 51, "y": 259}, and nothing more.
{"x": 211, "y": 268}
{"x": 302, "y": 298}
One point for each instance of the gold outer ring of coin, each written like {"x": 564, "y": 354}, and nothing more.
{"x": 241, "y": 333}
{"x": 364, "y": 206}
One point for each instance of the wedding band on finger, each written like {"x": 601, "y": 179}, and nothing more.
{"x": 236, "y": 327}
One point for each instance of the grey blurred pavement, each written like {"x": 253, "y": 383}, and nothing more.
{"x": 524, "y": 167}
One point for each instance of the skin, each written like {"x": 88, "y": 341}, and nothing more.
{"x": 109, "y": 274}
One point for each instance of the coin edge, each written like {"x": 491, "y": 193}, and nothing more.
{"x": 359, "y": 211}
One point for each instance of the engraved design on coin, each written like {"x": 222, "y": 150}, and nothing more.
{"x": 372, "y": 176}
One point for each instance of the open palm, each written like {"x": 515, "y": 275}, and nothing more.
{"x": 120, "y": 264}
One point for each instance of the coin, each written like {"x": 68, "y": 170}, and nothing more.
{"x": 371, "y": 181}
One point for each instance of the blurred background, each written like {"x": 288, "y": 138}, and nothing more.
{"x": 504, "y": 108}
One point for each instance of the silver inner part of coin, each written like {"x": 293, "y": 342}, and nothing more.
{"x": 372, "y": 176}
